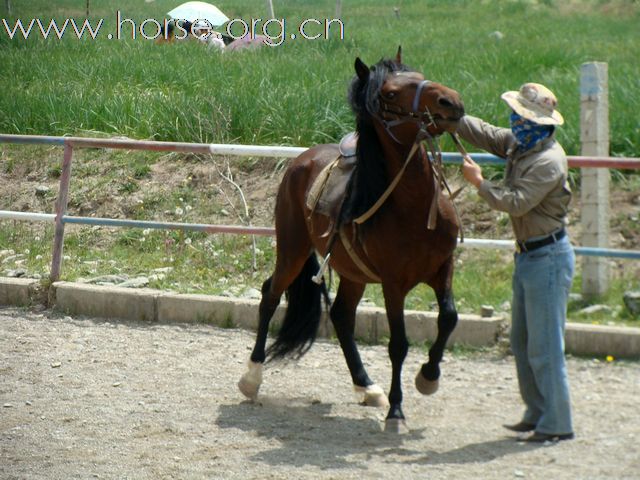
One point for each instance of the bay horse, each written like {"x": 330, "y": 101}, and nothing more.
{"x": 395, "y": 108}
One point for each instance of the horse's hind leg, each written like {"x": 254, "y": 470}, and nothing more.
{"x": 286, "y": 271}
{"x": 343, "y": 316}
{"x": 293, "y": 249}
{"x": 427, "y": 378}
{"x": 250, "y": 382}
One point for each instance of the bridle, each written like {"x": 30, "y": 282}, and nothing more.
{"x": 424, "y": 119}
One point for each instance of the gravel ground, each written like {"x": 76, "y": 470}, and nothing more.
{"x": 86, "y": 398}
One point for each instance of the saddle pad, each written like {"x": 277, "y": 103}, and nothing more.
{"x": 328, "y": 189}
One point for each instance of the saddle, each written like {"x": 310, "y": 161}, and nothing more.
{"x": 326, "y": 196}
{"x": 330, "y": 186}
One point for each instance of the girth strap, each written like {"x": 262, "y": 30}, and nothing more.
{"x": 355, "y": 258}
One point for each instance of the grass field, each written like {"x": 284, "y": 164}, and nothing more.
{"x": 293, "y": 94}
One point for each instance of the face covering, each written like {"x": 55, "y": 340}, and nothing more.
{"x": 528, "y": 133}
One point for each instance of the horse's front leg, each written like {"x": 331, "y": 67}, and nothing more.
{"x": 343, "y": 316}
{"x": 398, "y": 348}
{"x": 427, "y": 378}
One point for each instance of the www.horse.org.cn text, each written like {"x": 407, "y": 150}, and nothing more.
{"x": 275, "y": 31}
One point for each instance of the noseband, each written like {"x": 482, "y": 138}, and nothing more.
{"x": 424, "y": 119}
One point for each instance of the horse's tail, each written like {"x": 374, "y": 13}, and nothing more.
{"x": 302, "y": 318}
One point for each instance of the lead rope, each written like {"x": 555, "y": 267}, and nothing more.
{"x": 441, "y": 181}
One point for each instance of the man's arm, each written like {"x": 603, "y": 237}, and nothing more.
{"x": 483, "y": 135}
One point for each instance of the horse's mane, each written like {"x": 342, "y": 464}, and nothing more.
{"x": 370, "y": 179}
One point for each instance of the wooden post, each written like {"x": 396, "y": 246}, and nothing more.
{"x": 270, "y": 9}
{"x": 7, "y": 4}
{"x": 594, "y": 136}
{"x": 338, "y": 8}
{"x": 87, "y": 8}
{"x": 61, "y": 210}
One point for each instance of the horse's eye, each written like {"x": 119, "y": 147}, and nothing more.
{"x": 390, "y": 95}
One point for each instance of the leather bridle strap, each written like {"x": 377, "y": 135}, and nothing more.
{"x": 416, "y": 99}
{"x": 414, "y": 116}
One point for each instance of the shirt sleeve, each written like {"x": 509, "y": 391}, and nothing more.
{"x": 524, "y": 193}
{"x": 495, "y": 140}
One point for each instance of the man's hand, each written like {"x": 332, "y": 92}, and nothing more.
{"x": 471, "y": 171}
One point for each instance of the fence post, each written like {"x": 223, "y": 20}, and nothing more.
{"x": 270, "y": 11}
{"x": 61, "y": 210}
{"x": 594, "y": 137}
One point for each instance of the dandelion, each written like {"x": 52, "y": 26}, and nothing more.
{"x": 38, "y": 257}
{"x": 187, "y": 241}
{"x": 27, "y": 251}
{"x": 188, "y": 208}
{"x": 610, "y": 358}
{"x": 146, "y": 231}
{"x": 179, "y": 210}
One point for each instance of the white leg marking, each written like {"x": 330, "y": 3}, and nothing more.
{"x": 396, "y": 426}
{"x": 249, "y": 383}
{"x": 372, "y": 396}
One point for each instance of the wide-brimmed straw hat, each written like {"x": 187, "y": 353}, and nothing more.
{"x": 534, "y": 102}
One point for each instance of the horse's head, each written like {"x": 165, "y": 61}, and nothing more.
{"x": 403, "y": 101}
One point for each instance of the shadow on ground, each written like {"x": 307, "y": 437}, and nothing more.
{"x": 305, "y": 433}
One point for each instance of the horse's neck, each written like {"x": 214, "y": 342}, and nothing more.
{"x": 415, "y": 187}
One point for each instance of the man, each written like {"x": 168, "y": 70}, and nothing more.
{"x": 536, "y": 196}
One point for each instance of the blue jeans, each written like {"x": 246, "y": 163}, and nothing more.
{"x": 541, "y": 284}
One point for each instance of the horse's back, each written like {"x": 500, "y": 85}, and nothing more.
{"x": 300, "y": 174}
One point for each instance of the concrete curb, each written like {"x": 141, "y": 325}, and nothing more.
{"x": 19, "y": 291}
{"x": 371, "y": 326}
{"x": 156, "y": 306}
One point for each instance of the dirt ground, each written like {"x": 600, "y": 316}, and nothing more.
{"x": 86, "y": 398}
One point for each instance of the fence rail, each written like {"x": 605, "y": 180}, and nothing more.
{"x": 629, "y": 163}
{"x": 269, "y": 231}
{"x": 69, "y": 143}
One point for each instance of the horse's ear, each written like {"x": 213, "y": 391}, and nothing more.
{"x": 399, "y": 55}
{"x": 361, "y": 70}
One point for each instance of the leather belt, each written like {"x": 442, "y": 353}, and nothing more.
{"x": 543, "y": 242}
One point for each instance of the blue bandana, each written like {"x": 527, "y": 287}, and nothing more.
{"x": 528, "y": 133}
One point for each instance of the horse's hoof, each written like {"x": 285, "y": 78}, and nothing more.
{"x": 424, "y": 386}
{"x": 374, "y": 396}
{"x": 250, "y": 382}
{"x": 396, "y": 426}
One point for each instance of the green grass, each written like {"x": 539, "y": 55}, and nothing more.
{"x": 295, "y": 94}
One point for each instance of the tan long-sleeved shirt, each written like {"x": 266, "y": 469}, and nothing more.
{"x": 536, "y": 192}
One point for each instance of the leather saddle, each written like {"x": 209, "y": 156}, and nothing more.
{"x": 329, "y": 188}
